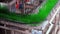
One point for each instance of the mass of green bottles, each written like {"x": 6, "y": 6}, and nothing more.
{"x": 43, "y": 11}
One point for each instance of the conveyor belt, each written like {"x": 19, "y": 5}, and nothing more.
{"x": 43, "y": 12}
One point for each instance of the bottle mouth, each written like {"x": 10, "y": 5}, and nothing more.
{"x": 3, "y": 4}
